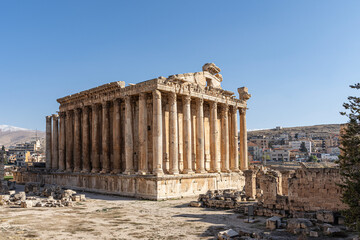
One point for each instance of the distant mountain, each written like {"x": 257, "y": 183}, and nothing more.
{"x": 10, "y": 135}
{"x": 324, "y": 128}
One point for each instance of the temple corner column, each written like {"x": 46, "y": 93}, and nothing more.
{"x": 157, "y": 134}
{"x": 48, "y": 152}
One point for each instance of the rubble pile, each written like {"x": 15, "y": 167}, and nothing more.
{"x": 37, "y": 196}
{"x": 227, "y": 199}
{"x": 314, "y": 227}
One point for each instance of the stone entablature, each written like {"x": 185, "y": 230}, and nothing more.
{"x": 184, "y": 124}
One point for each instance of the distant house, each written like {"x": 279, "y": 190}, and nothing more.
{"x": 280, "y": 154}
{"x": 296, "y": 145}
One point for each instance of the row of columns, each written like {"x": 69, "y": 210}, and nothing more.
{"x": 68, "y": 148}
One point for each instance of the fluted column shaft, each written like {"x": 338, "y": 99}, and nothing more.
{"x": 48, "y": 142}
{"x": 85, "y": 140}
{"x": 187, "y": 135}
{"x": 174, "y": 147}
{"x": 200, "y": 141}
{"x": 234, "y": 166}
{"x": 95, "y": 141}
{"x": 225, "y": 138}
{"x": 69, "y": 141}
{"x": 215, "y": 156}
{"x": 55, "y": 143}
{"x": 129, "y": 141}
{"x": 77, "y": 140}
{"x": 243, "y": 140}
{"x": 117, "y": 137}
{"x": 62, "y": 145}
{"x": 143, "y": 164}
{"x": 105, "y": 138}
{"x": 157, "y": 134}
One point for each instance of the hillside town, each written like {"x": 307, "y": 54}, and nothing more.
{"x": 301, "y": 144}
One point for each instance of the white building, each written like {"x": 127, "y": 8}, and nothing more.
{"x": 297, "y": 144}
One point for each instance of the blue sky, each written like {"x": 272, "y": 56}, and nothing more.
{"x": 296, "y": 57}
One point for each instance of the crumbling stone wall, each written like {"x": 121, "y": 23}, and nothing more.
{"x": 292, "y": 191}
{"x": 312, "y": 189}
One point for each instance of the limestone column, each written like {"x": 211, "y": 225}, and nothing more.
{"x": 117, "y": 137}
{"x": 157, "y": 134}
{"x": 129, "y": 141}
{"x": 243, "y": 140}
{"x": 234, "y": 166}
{"x": 187, "y": 135}
{"x": 85, "y": 140}
{"x": 200, "y": 143}
{"x": 55, "y": 143}
{"x": 105, "y": 138}
{"x": 143, "y": 164}
{"x": 48, "y": 142}
{"x": 69, "y": 141}
{"x": 215, "y": 156}
{"x": 62, "y": 145}
{"x": 225, "y": 138}
{"x": 95, "y": 141}
{"x": 77, "y": 140}
{"x": 174, "y": 147}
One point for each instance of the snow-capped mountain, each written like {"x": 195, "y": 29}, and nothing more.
{"x": 10, "y": 135}
{"x": 8, "y": 128}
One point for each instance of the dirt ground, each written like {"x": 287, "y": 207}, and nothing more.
{"x": 113, "y": 217}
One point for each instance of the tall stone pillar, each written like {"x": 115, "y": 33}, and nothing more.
{"x": 143, "y": 164}
{"x": 77, "y": 140}
{"x": 225, "y": 138}
{"x": 243, "y": 140}
{"x": 95, "y": 139}
{"x": 187, "y": 135}
{"x": 234, "y": 166}
{"x": 215, "y": 156}
{"x": 62, "y": 145}
{"x": 85, "y": 140}
{"x": 105, "y": 138}
{"x": 174, "y": 146}
{"x": 69, "y": 141}
{"x": 200, "y": 142}
{"x": 157, "y": 134}
{"x": 117, "y": 137}
{"x": 48, "y": 143}
{"x": 129, "y": 141}
{"x": 55, "y": 143}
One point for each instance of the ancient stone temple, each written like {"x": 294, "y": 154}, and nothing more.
{"x": 158, "y": 139}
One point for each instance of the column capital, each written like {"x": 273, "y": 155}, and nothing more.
{"x": 69, "y": 113}
{"x": 233, "y": 109}
{"x": 86, "y": 109}
{"x": 172, "y": 97}
{"x": 187, "y": 99}
{"x": 224, "y": 109}
{"x": 157, "y": 94}
{"x": 96, "y": 106}
{"x": 200, "y": 101}
{"x": 55, "y": 116}
{"x": 62, "y": 114}
{"x": 213, "y": 105}
{"x": 142, "y": 96}
{"x": 105, "y": 104}
{"x": 242, "y": 111}
{"x": 77, "y": 111}
{"x": 48, "y": 118}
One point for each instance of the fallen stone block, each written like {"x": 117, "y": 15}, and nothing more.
{"x": 228, "y": 234}
{"x": 313, "y": 234}
{"x": 273, "y": 222}
{"x": 26, "y": 204}
{"x": 82, "y": 197}
{"x": 195, "y": 204}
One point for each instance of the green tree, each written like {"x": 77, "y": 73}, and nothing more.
{"x": 349, "y": 161}
{"x": 303, "y": 147}
{"x": 312, "y": 159}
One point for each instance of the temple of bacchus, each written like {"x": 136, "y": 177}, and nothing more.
{"x": 158, "y": 139}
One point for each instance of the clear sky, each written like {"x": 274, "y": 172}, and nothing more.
{"x": 296, "y": 57}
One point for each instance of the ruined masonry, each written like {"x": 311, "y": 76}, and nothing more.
{"x": 159, "y": 139}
